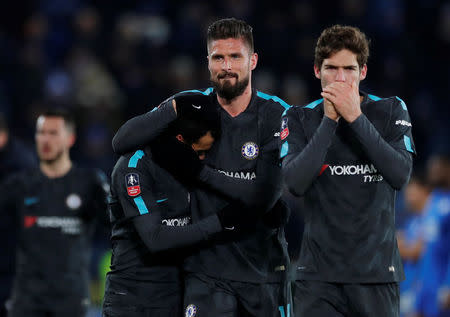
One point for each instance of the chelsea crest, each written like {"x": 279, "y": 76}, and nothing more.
{"x": 250, "y": 150}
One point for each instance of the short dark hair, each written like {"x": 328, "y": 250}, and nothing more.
{"x": 193, "y": 128}
{"x": 339, "y": 37}
{"x": 67, "y": 116}
{"x": 230, "y": 28}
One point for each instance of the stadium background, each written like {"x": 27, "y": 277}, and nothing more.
{"x": 110, "y": 60}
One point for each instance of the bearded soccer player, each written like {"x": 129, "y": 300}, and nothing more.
{"x": 242, "y": 274}
{"x": 55, "y": 206}
{"x": 347, "y": 154}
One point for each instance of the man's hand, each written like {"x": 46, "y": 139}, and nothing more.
{"x": 192, "y": 104}
{"x": 330, "y": 110}
{"x": 345, "y": 98}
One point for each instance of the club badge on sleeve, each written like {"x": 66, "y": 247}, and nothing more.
{"x": 284, "y": 128}
{"x": 132, "y": 183}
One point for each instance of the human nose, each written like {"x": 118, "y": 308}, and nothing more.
{"x": 226, "y": 63}
{"x": 340, "y": 75}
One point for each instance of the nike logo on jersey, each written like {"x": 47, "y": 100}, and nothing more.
{"x": 229, "y": 228}
{"x": 196, "y": 107}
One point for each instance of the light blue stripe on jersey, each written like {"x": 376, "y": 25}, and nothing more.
{"x": 207, "y": 91}
{"x": 284, "y": 149}
{"x": 407, "y": 141}
{"x": 140, "y": 204}
{"x": 313, "y": 104}
{"x": 135, "y": 158}
{"x": 274, "y": 98}
{"x": 373, "y": 97}
{"x": 154, "y": 109}
{"x": 288, "y": 309}
{"x": 161, "y": 200}
{"x": 402, "y": 103}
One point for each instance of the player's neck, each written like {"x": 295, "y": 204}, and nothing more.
{"x": 57, "y": 168}
{"x": 237, "y": 105}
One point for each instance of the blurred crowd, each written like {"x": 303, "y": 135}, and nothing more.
{"x": 110, "y": 60}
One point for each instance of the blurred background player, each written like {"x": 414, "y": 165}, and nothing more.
{"x": 243, "y": 274}
{"x": 347, "y": 154}
{"x": 434, "y": 263}
{"x": 15, "y": 156}
{"x": 54, "y": 207}
{"x": 411, "y": 239}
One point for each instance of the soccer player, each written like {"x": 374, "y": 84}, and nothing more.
{"x": 151, "y": 218}
{"x": 347, "y": 154}
{"x": 434, "y": 262}
{"x": 55, "y": 206}
{"x": 411, "y": 239}
{"x": 242, "y": 274}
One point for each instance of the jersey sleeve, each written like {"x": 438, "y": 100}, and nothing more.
{"x": 140, "y": 130}
{"x": 134, "y": 192}
{"x": 303, "y": 158}
{"x": 101, "y": 193}
{"x": 390, "y": 155}
{"x": 10, "y": 197}
{"x": 400, "y": 128}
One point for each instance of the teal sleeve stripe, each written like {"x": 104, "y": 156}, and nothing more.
{"x": 206, "y": 92}
{"x": 274, "y": 98}
{"x": 161, "y": 200}
{"x": 154, "y": 109}
{"x": 140, "y": 204}
{"x": 402, "y": 103}
{"x": 288, "y": 309}
{"x": 407, "y": 141}
{"x": 373, "y": 97}
{"x": 135, "y": 158}
{"x": 284, "y": 149}
{"x": 313, "y": 104}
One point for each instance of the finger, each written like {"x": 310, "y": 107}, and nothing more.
{"x": 329, "y": 96}
{"x": 174, "y": 104}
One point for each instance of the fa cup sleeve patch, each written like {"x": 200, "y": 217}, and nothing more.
{"x": 284, "y": 128}
{"x": 132, "y": 183}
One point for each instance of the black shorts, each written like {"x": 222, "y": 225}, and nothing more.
{"x": 322, "y": 299}
{"x": 206, "y": 296}
{"x": 141, "y": 299}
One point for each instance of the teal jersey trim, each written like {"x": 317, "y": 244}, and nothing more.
{"x": 140, "y": 204}
{"x": 135, "y": 158}
{"x": 274, "y": 98}
{"x": 30, "y": 200}
{"x": 402, "y": 103}
{"x": 373, "y": 97}
{"x": 407, "y": 141}
{"x": 284, "y": 149}
{"x": 161, "y": 200}
{"x": 313, "y": 104}
{"x": 206, "y": 92}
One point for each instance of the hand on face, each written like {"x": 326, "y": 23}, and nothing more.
{"x": 345, "y": 98}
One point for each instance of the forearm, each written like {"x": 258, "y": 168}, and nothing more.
{"x": 140, "y": 130}
{"x": 394, "y": 165}
{"x": 300, "y": 169}
{"x": 158, "y": 237}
